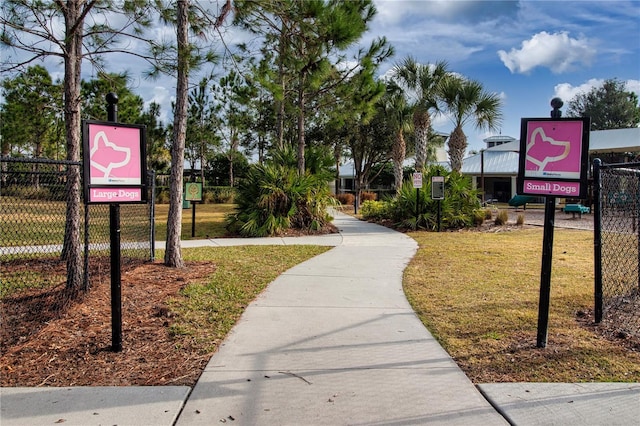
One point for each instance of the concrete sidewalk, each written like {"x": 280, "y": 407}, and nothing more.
{"x": 331, "y": 341}
{"x": 334, "y": 341}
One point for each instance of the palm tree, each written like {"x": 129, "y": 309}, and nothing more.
{"x": 398, "y": 113}
{"x": 422, "y": 80}
{"x": 466, "y": 101}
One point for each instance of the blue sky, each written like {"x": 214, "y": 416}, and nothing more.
{"x": 526, "y": 51}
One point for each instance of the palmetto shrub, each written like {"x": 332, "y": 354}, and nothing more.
{"x": 416, "y": 210}
{"x": 274, "y": 198}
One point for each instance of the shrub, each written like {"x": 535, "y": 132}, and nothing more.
{"x": 520, "y": 220}
{"x": 369, "y": 196}
{"x": 375, "y": 210}
{"x": 501, "y": 218}
{"x": 479, "y": 217}
{"x": 274, "y": 198}
{"x": 163, "y": 197}
{"x": 488, "y": 215}
{"x": 30, "y": 192}
{"x": 414, "y": 210}
{"x": 346, "y": 199}
{"x": 223, "y": 195}
{"x": 207, "y": 196}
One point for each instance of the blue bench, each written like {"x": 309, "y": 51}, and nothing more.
{"x": 576, "y": 208}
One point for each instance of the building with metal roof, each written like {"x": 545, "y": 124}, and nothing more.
{"x": 495, "y": 168}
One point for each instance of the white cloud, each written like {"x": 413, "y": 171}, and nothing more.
{"x": 633, "y": 86}
{"x": 566, "y": 91}
{"x": 392, "y": 12}
{"x": 557, "y": 51}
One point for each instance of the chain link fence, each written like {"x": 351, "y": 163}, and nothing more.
{"x": 33, "y": 273}
{"x": 617, "y": 248}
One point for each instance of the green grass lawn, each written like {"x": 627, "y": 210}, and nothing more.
{"x": 24, "y": 222}
{"x": 478, "y": 294}
{"x": 209, "y": 221}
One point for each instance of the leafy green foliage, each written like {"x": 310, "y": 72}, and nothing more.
{"x": 130, "y": 105}
{"x": 466, "y": 102}
{"x": 31, "y": 114}
{"x": 610, "y": 106}
{"x": 318, "y": 160}
{"x": 375, "y": 210}
{"x": 305, "y": 63}
{"x": 274, "y": 198}
{"x": 414, "y": 209}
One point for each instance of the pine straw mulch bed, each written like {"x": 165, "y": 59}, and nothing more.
{"x": 46, "y": 339}
{"x": 51, "y": 338}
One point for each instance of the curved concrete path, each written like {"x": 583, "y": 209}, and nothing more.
{"x": 333, "y": 341}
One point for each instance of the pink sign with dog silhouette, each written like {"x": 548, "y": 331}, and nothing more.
{"x": 114, "y": 155}
{"x": 553, "y": 158}
{"x": 554, "y": 149}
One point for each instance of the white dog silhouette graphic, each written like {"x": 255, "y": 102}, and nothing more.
{"x": 538, "y": 150}
{"x": 108, "y": 157}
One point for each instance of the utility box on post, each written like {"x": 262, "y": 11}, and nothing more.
{"x": 437, "y": 187}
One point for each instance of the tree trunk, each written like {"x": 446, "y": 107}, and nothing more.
{"x": 230, "y": 158}
{"x": 4, "y": 166}
{"x": 337, "y": 157}
{"x": 203, "y": 161}
{"x": 301, "y": 141}
{"x": 280, "y": 102}
{"x": 72, "y": 250}
{"x": 173, "y": 254}
{"x": 397, "y": 155}
{"x": 261, "y": 144}
{"x": 457, "y": 147}
{"x": 421, "y": 122}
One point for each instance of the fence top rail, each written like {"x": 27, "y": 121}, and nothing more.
{"x": 629, "y": 166}
{"x": 623, "y": 171}
{"x": 9, "y": 159}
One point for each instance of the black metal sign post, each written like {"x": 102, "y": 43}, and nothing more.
{"x": 193, "y": 219}
{"x": 547, "y": 254}
{"x": 553, "y": 163}
{"x": 114, "y": 162}
{"x": 597, "y": 240}
{"x": 193, "y": 193}
{"x": 417, "y": 184}
{"x": 545, "y": 271}
{"x": 437, "y": 193}
{"x": 114, "y": 240}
